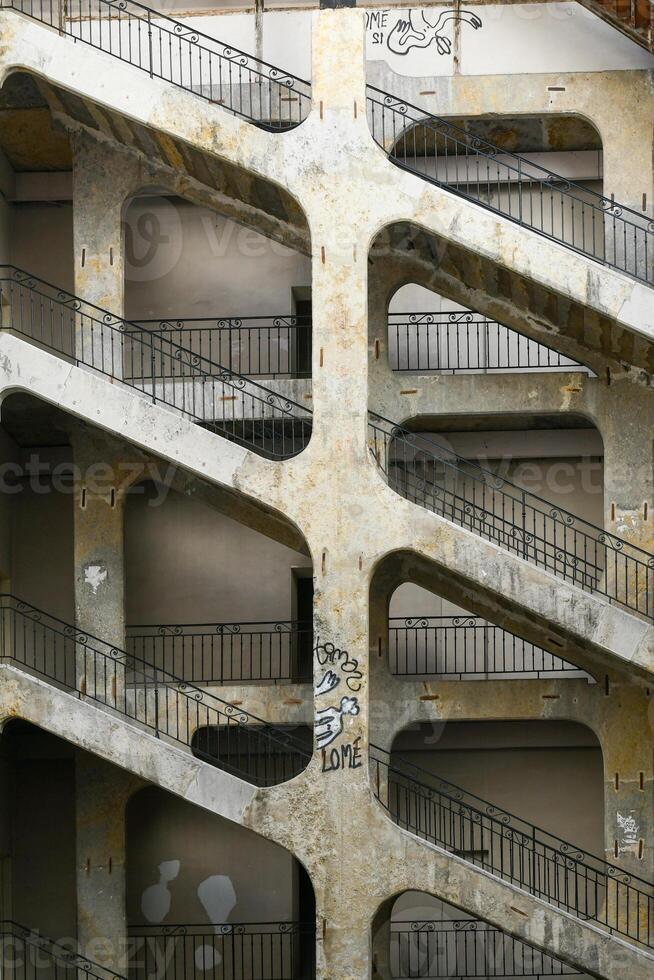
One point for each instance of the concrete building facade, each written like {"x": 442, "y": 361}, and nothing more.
{"x": 327, "y": 491}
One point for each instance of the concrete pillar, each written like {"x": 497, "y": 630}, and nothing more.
{"x": 382, "y": 283}
{"x": 340, "y": 393}
{"x": 101, "y": 183}
{"x": 99, "y": 564}
{"x": 102, "y": 791}
{"x": 628, "y": 412}
{"x": 627, "y": 730}
{"x": 629, "y": 179}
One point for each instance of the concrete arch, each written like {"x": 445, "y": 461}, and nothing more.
{"x": 406, "y": 251}
{"x": 219, "y": 874}
{"x": 398, "y": 567}
{"x": 510, "y": 132}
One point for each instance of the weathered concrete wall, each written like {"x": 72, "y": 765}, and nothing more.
{"x": 257, "y": 878}
{"x": 335, "y": 496}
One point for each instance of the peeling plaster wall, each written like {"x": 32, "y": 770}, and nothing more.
{"x": 162, "y": 828}
{"x": 329, "y": 820}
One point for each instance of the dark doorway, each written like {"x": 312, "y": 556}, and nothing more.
{"x": 303, "y": 347}
{"x": 304, "y": 615}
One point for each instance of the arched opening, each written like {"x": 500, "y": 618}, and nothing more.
{"x": 556, "y": 193}
{"x": 239, "y": 608}
{"x": 484, "y": 792}
{"x": 207, "y": 897}
{"x": 432, "y": 637}
{"x": 430, "y": 938}
{"x": 429, "y": 334}
{"x": 541, "y": 499}
{"x": 137, "y": 880}
{"x": 200, "y": 359}
{"x": 188, "y": 276}
{"x": 479, "y": 280}
{"x": 98, "y": 547}
{"x": 513, "y": 766}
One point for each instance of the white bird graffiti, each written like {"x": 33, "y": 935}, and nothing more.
{"x": 329, "y": 721}
{"x": 419, "y": 32}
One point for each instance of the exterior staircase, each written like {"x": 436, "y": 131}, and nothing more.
{"x": 269, "y": 97}
{"x": 215, "y": 731}
{"x": 634, "y": 18}
{"x": 259, "y": 419}
{"x": 498, "y": 842}
{"x": 491, "y": 506}
{"x": 154, "y": 365}
{"x": 415, "y": 140}
{"x": 445, "y": 155}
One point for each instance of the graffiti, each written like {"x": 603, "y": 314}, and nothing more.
{"x": 419, "y": 31}
{"x": 339, "y": 667}
{"x": 629, "y": 839}
{"x": 347, "y": 756}
{"x": 416, "y": 29}
{"x": 327, "y": 653}
{"x": 329, "y": 721}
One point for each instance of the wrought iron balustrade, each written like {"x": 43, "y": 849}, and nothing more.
{"x": 177, "y": 52}
{"x": 491, "y": 506}
{"x": 431, "y": 948}
{"x": 218, "y": 732}
{"x": 466, "y": 647}
{"x": 452, "y": 341}
{"x": 511, "y": 185}
{"x": 206, "y": 393}
{"x": 25, "y": 954}
{"x": 256, "y": 346}
{"x": 513, "y": 849}
{"x": 237, "y": 950}
{"x": 220, "y": 653}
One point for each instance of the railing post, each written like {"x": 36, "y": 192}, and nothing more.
{"x": 533, "y": 861}
{"x": 150, "y": 40}
{"x": 152, "y": 370}
{"x": 156, "y": 709}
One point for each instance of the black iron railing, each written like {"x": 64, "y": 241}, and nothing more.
{"x": 466, "y": 647}
{"x": 26, "y": 954}
{"x": 451, "y": 341}
{"x": 237, "y": 950}
{"x": 431, "y": 948}
{"x": 513, "y": 186}
{"x": 515, "y": 850}
{"x": 256, "y": 346}
{"x": 178, "y": 53}
{"x": 220, "y": 653}
{"x": 218, "y": 399}
{"x": 217, "y": 731}
{"x": 527, "y": 525}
